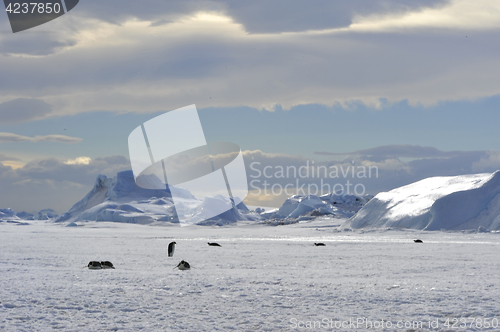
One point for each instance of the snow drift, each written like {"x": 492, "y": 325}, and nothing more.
{"x": 448, "y": 203}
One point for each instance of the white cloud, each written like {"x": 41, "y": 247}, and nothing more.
{"x": 23, "y": 109}
{"x": 387, "y": 165}
{"x": 78, "y": 161}
{"x": 458, "y": 14}
{"x": 51, "y": 183}
{"x": 487, "y": 163}
{"x": 10, "y": 137}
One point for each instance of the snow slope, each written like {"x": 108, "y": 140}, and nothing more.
{"x": 449, "y": 203}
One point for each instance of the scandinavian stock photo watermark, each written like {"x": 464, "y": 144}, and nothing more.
{"x": 309, "y": 179}
{"x": 24, "y": 14}
{"x": 170, "y": 152}
{"x": 206, "y": 179}
{"x": 364, "y": 323}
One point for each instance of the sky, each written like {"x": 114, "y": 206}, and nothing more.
{"x": 411, "y": 87}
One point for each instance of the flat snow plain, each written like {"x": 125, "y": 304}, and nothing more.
{"x": 263, "y": 278}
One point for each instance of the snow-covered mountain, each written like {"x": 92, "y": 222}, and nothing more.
{"x": 449, "y": 203}
{"x": 119, "y": 199}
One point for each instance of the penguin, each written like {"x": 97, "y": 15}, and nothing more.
{"x": 107, "y": 265}
{"x": 214, "y": 244}
{"x": 171, "y": 249}
{"x": 418, "y": 241}
{"x": 319, "y": 244}
{"x": 94, "y": 265}
{"x": 183, "y": 265}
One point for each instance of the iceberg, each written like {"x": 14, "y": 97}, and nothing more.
{"x": 335, "y": 204}
{"x": 438, "y": 203}
{"x": 120, "y": 199}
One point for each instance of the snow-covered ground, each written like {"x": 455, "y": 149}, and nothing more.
{"x": 262, "y": 278}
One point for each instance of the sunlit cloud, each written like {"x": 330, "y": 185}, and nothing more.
{"x": 458, "y": 14}
{"x": 78, "y": 161}
{"x": 149, "y": 63}
{"x": 10, "y": 161}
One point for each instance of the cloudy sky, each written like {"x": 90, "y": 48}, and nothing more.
{"x": 409, "y": 86}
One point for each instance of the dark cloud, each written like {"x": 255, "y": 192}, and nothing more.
{"x": 292, "y": 16}
{"x": 398, "y": 151}
{"x": 259, "y": 16}
{"x": 10, "y": 137}
{"x": 23, "y": 109}
{"x": 82, "y": 173}
{"x": 116, "y": 11}
{"x": 490, "y": 162}
{"x": 51, "y": 183}
{"x": 32, "y": 43}
{"x": 392, "y": 172}
{"x": 216, "y": 62}
{"x": 7, "y": 158}
{"x": 460, "y": 163}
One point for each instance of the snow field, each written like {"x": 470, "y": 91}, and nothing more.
{"x": 262, "y": 278}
